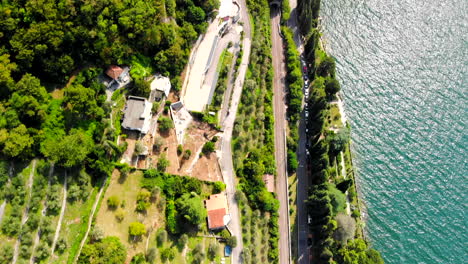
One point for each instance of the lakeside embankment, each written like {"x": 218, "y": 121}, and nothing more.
{"x": 333, "y": 207}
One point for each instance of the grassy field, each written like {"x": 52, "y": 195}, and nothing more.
{"x": 127, "y": 189}
{"x": 335, "y": 116}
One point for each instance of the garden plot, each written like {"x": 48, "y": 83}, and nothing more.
{"x": 186, "y": 159}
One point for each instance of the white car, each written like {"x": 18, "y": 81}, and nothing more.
{"x": 306, "y": 93}
{"x": 306, "y": 114}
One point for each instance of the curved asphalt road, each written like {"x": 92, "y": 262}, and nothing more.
{"x": 225, "y": 148}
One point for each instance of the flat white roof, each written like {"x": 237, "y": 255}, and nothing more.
{"x": 225, "y": 8}
{"x": 162, "y": 84}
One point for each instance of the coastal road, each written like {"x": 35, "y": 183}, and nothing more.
{"x": 302, "y": 180}
{"x": 279, "y": 109}
{"x": 225, "y": 154}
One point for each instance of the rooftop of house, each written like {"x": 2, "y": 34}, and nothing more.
{"x": 161, "y": 83}
{"x": 114, "y": 71}
{"x": 137, "y": 114}
{"x": 216, "y": 218}
{"x": 218, "y": 211}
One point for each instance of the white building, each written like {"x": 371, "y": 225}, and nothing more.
{"x": 137, "y": 114}
{"x": 160, "y": 88}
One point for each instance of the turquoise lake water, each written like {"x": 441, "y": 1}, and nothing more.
{"x": 403, "y": 69}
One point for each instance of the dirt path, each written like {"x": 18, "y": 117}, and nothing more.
{"x": 343, "y": 172}
{"x": 90, "y": 220}
{"x": 62, "y": 212}
{"x": 44, "y": 209}
{"x": 25, "y": 216}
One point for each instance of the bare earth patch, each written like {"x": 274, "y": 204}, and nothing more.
{"x": 201, "y": 167}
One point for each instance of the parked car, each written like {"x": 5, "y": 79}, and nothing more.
{"x": 306, "y": 93}
{"x": 304, "y": 69}
{"x": 306, "y": 114}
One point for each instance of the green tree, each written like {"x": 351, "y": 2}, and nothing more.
{"x": 158, "y": 142}
{"x": 120, "y": 214}
{"x": 208, "y": 148}
{"x": 326, "y": 67}
{"x": 190, "y": 206}
{"x": 71, "y": 150}
{"x": 168, "y": 254}
{"x": 139, "y": 258}
{"x": 113, "y": 201}
{"x": 332, "y": 86}
{"x": 6, "y": 253}
{"x": 141, "y": 87}
{"x": 161, "y": 237}
{"x": 232, "y": 242}
{"x": 183, "y": 240}
{"x": 165, "y": 124}
{"x": 218, "y": 187}
{"x": 19, "y": 143}
{"x": 187, "y": 154}
{"x": 108, "y": 250}
{"x": 213, "y": 249}
{"x": 151, "y": 255}
{"x": 163, "y": 163}
{"x": 81, "y": 101}
{"x": 136, "y": 229}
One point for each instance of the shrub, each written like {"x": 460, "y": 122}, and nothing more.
{"x": 163, "y": 163}
{"x": 187, "y": 154}
{"x": 136, "y": 229}
{"x": 232, "y": 241}
{"x": 120, "y": 214}
{"x": 225, "y": 234}
{"x": 113, "y": 201}
{"x": 208, "y": 147}
{"x": 213, "y": 249}
{"x": 151, "y": 255}
{"x": 161, "y": 237}
{"x": 356, "y": 213}
{"x": 218, "y": 187}
{"x": 61, "y": 245}
{"x": 168, "y": 254}
{"x": 158, "y": 142}
{"x": 292, "y": 161}
{"x": 183, "y": 240}
{"x": 165, "y": 124}
{"x": 96, "y": 234}
{"x": 179, "y": 149}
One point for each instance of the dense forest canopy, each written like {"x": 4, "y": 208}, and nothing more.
{"x": 43, "y": 42}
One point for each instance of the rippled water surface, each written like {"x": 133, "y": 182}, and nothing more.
{"x": 403, "y": 69}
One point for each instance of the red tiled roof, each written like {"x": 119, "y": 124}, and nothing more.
{"x": 216, "y": 218}
{"x": 114, "y": 71}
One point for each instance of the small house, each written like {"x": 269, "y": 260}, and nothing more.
{"x": 218, "y": 211}
{"x": 137, "y": 114}
{"x": 160, "y": 88}
{"x": 119, "y": 76}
